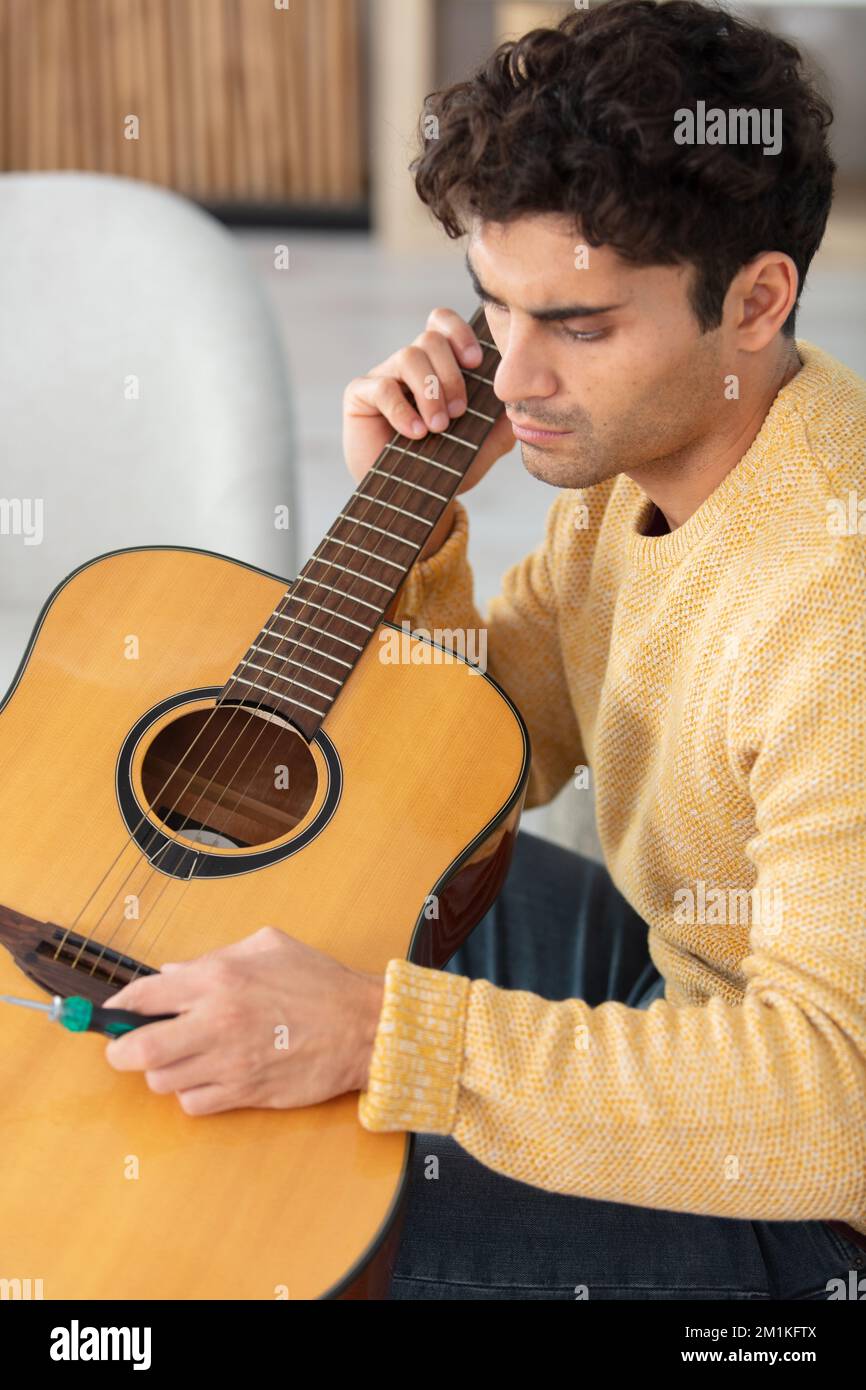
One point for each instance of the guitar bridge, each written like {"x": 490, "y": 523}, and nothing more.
{"x": 64, "y": 962}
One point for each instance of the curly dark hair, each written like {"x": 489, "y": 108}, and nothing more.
{"x": 579, "y": 119}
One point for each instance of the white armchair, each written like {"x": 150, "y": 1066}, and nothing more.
{"x": 143, "y": 390}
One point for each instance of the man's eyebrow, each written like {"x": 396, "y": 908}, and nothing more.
{"x": 565, "y": 311}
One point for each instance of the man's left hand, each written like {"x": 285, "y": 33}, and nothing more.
{"x": 267, "y": 1022}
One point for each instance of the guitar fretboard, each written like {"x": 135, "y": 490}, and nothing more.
{"x": 306, "y": 651}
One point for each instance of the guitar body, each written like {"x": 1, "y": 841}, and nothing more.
{"x": 412, "y": 788}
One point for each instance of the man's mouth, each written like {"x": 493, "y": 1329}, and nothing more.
{"x": 536, "y": 434}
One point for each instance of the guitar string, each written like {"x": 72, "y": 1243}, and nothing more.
{"x": 193, "y": 852}
{"x": 248, "y": 713}
{"x": 268, "y": 631}
{"x": 333, "y": 614}
{"x": 130, "y": 840}
{"x": 239, "y": 796}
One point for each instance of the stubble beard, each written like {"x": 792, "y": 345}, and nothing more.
{"x": 580, "y": 467}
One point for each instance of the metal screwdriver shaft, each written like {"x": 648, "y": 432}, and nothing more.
{"x": 83, "y": 1016}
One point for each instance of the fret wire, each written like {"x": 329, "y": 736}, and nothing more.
{"x": 443, "y": 434}
{"x": 265, "y": 691}
{"x": 320, "y": 584}
{"x": 266, "y": 651}
{"x": 390, "y": 534}
{"x": 290, "y": 679}
{"x": 308, "y": 602}
{"x": 366, "y": 496}
{"x": 299, "y": 622}
{"x": 458, "y": 473}
{"x": 317, "y": 560}
{"x": 406, "y": 483}
{"x": 371, "y": 553}
{"x": 307, "y": 577}
{"x": 319, "y": 652}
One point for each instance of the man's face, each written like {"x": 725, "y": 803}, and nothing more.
{"x": 642, "y": 384}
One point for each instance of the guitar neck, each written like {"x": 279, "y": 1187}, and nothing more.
{"x": 299, "y": 662}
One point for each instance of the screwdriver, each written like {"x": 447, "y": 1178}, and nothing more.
{"x": 83, "y": 1016}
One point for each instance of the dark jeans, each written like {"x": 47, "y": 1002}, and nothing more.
{"x": 562, "y": 930}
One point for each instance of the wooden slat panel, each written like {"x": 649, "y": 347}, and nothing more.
{"x": 141, "y": 153}
{"x": 271, "y": 118}
{"x": 315, "y": 104}
{"x": 291, "y": 51}
{"x": 351, "y": 176}
{"x": 36, "y": 44}
{"x": 64, "y": 155}
{"x": 160, "y": 132}
{"x": 180, "y": 63}
{"x": 15, "y": 82}
{"x": 200, "y": 175}
{"x": 112, "y": 115}
{"x": 235, "y": 99}
{"x": 87, "y": 130}
{"x": 258, "y": 114}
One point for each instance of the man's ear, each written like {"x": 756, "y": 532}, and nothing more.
{"x": 760, "y": 298}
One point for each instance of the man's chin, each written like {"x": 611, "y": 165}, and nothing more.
{"x": 541, "y": 462}
{"x": 548, "y": 467}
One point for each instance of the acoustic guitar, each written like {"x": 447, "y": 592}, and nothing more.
{"x": 191, "y": 749}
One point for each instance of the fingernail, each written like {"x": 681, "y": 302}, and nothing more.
{"x": 472, "y": 355}
{"x": 440, "y": 420}
{"x": 456, "y": 407}
{"x": 417, "y": 428}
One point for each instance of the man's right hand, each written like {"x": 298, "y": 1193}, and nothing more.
{"x": 392, "y": 397}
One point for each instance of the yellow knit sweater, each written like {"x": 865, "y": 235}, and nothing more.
{"x": 714, "y": 681}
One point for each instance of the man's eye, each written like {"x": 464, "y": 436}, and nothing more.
{"x": 583, "y": 337}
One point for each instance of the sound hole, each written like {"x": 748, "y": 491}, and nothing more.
{"x": 228, "y": 774}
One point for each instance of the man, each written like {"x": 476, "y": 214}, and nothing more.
{"x": 683, "y": 1116}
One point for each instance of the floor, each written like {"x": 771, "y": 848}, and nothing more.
{"x": 343, "y": 306}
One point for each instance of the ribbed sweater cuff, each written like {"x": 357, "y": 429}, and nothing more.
{"x": 429, "y": 579}
{"x": 417, "y": 1052}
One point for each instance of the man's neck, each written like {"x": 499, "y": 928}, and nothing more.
{"x": 679, "y": 492}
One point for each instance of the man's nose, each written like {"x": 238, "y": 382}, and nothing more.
{"x": 523, "y": 373}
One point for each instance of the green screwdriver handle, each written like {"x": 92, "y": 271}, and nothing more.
{"x": 83, "y": 1016}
